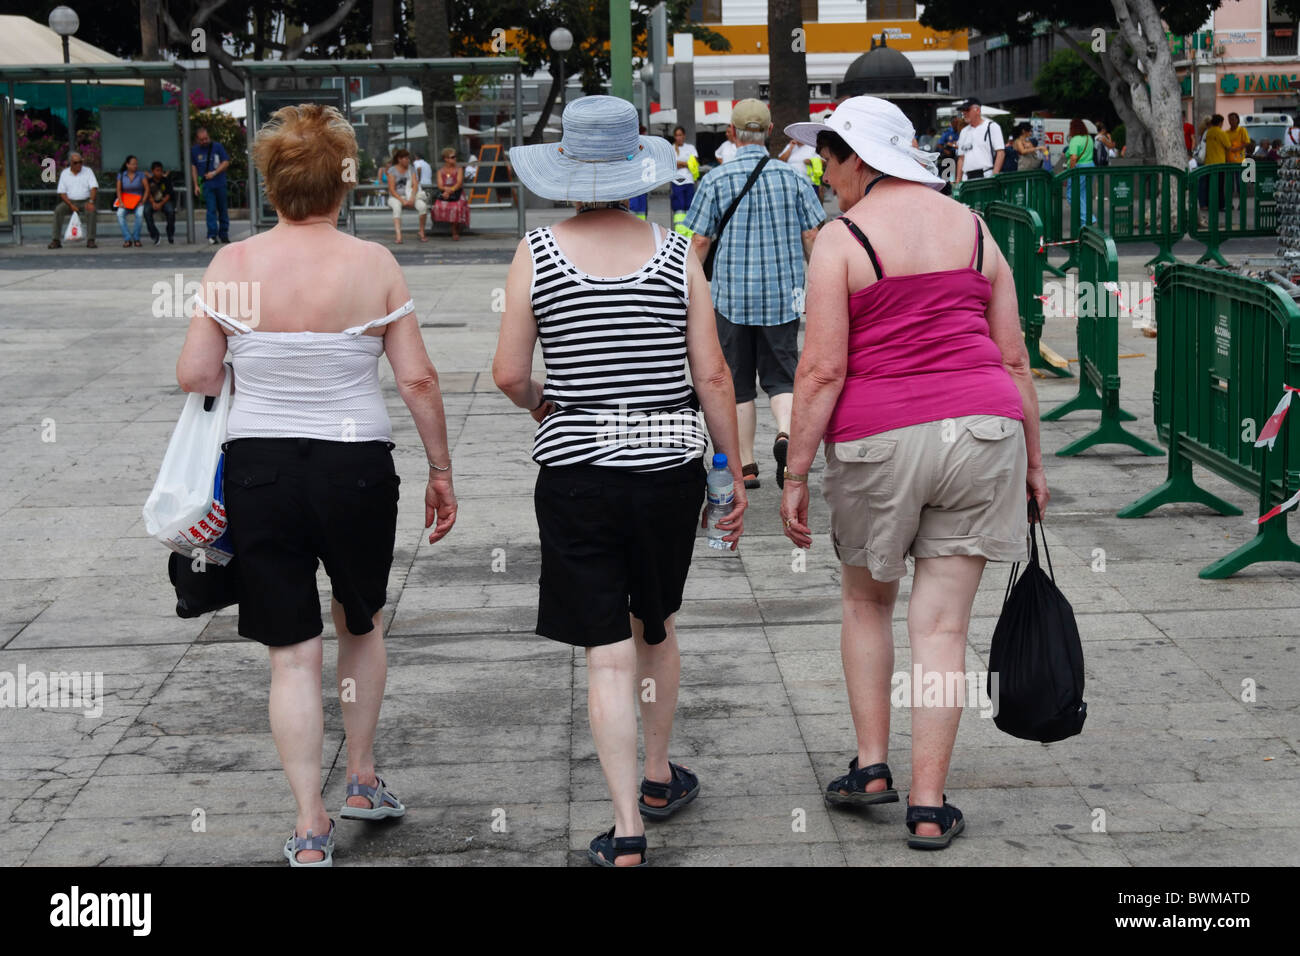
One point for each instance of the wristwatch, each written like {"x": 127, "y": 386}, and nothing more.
{"x": 791, "y": 476}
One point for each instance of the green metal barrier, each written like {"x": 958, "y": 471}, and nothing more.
{"x": 1130, "y": 203}
{"x": 1098, "y": 314}
{"x": 1210, "y": 191}
{"x": 1034, "y": 189}
{"x": 978, "y": 193}
{"x": 1227, "y": 345}
{"x": 1019, "y": 233}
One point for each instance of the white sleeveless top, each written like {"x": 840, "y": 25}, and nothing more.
{"x": 307, "y": 384}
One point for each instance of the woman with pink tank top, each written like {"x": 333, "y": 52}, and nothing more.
{"x": 915, "y": 374}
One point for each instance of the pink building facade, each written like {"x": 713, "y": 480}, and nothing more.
{"x": 1243, "y": 62}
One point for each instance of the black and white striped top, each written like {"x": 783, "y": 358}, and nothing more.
{"x": 615, "y": 353}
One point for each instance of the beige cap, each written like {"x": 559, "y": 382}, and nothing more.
{"x": 751, "y": 114}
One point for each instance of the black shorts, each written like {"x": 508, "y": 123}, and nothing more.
{"x": 769, "y": 351}
{"x": 293, "y": 502}
{"x": 614, "y": 542}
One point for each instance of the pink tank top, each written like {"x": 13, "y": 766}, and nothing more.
{"x": 920, "y": 351}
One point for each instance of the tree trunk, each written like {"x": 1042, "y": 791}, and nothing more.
{"x": 787, "y": 69}
{"x": 552, "y": 97}
{"x": 149, "y": 49}
{"x": 381, "y": 48}
{"x": 1155, "y": 94}
{"x": 433, "y": 41}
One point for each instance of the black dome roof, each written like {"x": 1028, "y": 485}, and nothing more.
{"x": 880, "y": 62}
{"x": 881, "y": 69}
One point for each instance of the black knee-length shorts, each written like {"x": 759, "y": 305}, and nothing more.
{"x": 614, "y": 542}
{"x": 295, "y": 502}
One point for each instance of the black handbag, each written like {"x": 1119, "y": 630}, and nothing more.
{"x": 1036, "y": 657}
{"x": 198, "y": 592}
{"x": 726, "y": 217}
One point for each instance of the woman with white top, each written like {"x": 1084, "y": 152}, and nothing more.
{"x": 309, "y": 472}
{"x": 622, "y": 308}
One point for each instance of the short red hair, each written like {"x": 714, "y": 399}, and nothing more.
{"x": 307, "y": 157}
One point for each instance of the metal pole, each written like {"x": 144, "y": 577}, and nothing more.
{"x": 562, "y": 87}
{"x": 347, "y": 111}
{"x": 184, "y": 107}
{"x": 518, "y": 191}
{"x": 250, "y": 124}
{"x": 67, "y": 92}
{"x": 620, "y": 50}
{"x": 11, "y": 164}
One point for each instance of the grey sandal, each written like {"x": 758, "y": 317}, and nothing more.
{"x": 296, "y": 844}
{"x": 383, "y": 803}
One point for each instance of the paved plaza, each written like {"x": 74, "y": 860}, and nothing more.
{"x": 485, "y": 723}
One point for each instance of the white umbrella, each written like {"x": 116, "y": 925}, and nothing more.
{"x": 397, "y": 100}
{"x": 420, "y": 131}
{"x": 236, "y": 108}
{"x": 663, "y": 118}
{"x": 401, "y": 99}
{"x": 985, "y": 110}
{"x": 530, "y": 120}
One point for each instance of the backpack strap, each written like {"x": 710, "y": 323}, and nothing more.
{"x": 863, "y": 241}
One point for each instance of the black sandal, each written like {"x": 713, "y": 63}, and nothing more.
{"x": 779, "y": 449}
{"x": 855, "y": 782}
{"x": 681, "y": 790}
{"x": 750, "y": 473}
{"x": 613, "y": 847}
{"x": 948, "y": 818}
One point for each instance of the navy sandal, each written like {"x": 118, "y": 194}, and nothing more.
{"x": 780, "y": 448}
{"x": 947, "y": 817}
{"x": 606, "y": 848}
{"x": 681, "y": 790}
{"x": 850, "y": 790}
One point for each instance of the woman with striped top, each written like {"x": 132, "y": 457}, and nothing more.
{"x": 621, "y": 308}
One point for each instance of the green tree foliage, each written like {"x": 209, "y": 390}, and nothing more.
{"x": 1068, "y": 87}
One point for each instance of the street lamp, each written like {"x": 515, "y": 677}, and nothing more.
{"x": 64, "y": 21}
{"x": 561, "y": 43}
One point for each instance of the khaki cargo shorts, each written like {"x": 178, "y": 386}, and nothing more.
{"x": 955, "y": 486}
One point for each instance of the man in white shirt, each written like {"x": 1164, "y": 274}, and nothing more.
{"x": 77, "y": 189}
{"x": 424, "y": 170}
{"x": 682, "y": 189}
{"x": 796, "y": 156}
{"x": 728, "y": 148}
{"x": 980, "y": 144}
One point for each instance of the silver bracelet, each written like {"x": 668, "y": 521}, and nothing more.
{"x": 438, "y": 468}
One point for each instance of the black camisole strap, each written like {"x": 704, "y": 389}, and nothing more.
{"x": 977, "y": 257}
{"x": 859, "y": 235}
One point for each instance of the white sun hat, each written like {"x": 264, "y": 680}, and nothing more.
{"x": 880, "y": 133}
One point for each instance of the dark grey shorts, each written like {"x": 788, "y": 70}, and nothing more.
{"x": 768, "y": 352}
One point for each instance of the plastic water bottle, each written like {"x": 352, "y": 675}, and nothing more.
{"x": 722, "y": 496}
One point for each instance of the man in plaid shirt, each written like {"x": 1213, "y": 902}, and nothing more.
{"x": 758, "y": 274}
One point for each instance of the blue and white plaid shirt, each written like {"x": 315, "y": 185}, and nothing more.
{"x": 758, "y": 272}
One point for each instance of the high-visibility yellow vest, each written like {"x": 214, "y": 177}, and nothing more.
{"x": 693, "y": 165}
{"x": 817, "y": 167}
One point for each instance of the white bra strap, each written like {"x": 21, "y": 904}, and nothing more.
{"x": 390, "y": 317}
{"x": 223, "y": 320}
{"x": 659, "y": 235}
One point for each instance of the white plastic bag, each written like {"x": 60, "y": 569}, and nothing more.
{"x": 73, "y": 232}
{"x": 186, "y": 509}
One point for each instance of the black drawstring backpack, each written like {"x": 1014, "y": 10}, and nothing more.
{"x": 1036, "y": 655}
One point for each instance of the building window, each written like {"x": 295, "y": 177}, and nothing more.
{"x": 1281, "y": 32}
{"x": 705, "y": 11}
{"x": 891, "y": 9}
